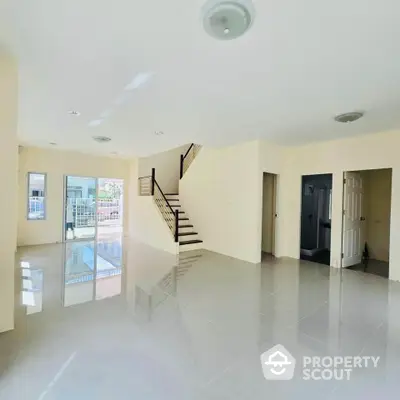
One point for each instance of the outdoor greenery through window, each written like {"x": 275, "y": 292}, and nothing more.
{"x": 36, "y": 196}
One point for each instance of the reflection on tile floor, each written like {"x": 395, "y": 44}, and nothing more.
{"x": 190, "y": 328}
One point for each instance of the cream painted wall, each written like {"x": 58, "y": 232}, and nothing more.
{"x": 8, "y": 179}
{"x": 222, "y": 194}
{"x": 273, "y": 160}
{"x": 56, "y": 164}
{"x": 146, "y": 223}
{"x": 353, "y": 154}
{"x": 378, "y": 188}
{"x": 150, "y": 227}
{"x": 167, "y": 165}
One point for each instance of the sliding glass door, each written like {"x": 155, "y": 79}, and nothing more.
{"x": 80, "y": 214}
{"x": 93, "y": 209}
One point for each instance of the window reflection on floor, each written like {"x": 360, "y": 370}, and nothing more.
{"x": 31, "y": 288}
{"x": 92, "y": 271}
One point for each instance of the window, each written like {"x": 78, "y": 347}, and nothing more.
{"x": 36, "y": 196}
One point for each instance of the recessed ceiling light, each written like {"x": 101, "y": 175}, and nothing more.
{"x": 159, "y": 133}
{"x": 227, "y": 20}
{"x": 74, "y": 113}
{"x": 349, "y": 117}
{"x": 101, "y": 139}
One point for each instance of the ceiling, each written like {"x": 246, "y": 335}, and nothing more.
{"x": 300, "y": 64}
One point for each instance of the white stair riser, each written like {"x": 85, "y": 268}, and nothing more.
{"x": 176, "y": 196}
{"x": 185, "y": 230}
{"x": 188, "y": 237}
{"x": 190, "y": 247}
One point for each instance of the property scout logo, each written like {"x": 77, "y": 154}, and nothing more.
{"x": 278, "y": 364}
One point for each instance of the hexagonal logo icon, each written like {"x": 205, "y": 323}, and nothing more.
{"x": 278, "y": 364}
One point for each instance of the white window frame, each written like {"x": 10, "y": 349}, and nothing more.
{"x": 44, "y": 196}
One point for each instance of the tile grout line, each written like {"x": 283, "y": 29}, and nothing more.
{"x": 57, "y": 376}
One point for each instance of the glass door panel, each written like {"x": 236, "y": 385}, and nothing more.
{"x": 80, "y": 208}
{"x": 109, "y": 209}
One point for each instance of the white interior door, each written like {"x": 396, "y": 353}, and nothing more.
{"x": 352, "y": 219}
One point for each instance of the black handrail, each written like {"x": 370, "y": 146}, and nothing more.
{"x": 181, "y": 167}
{"x": 153, "y": 179}
{"x": 183, "y": 156}
{"x": 190, "y": 148}
{"x": 175, "y": 213}
{"x": 169, "y": 205}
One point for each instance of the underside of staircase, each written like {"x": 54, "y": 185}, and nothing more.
{"x": 182, "y": 230}
{"x": 187, "y": 235}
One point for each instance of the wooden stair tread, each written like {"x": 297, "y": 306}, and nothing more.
{"x": 190, "y": 242}
{"x": 187, "y": 233}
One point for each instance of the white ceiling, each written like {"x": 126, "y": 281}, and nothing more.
{"x": 300, "y": 64}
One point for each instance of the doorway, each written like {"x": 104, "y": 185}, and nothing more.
{"x": 268, "y": 215}
{"x": 93, "y": 208}
{"x": 316, "y": 215}
{"x": 366, "y": 220}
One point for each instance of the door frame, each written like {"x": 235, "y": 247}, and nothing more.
{"x": 303, "y": 175}
{"x": 342, "y": 208}
{"x": 274, "y": 214}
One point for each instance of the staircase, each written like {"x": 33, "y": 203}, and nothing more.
{"x": 188, "y": 238}
{"x": 170, "y": 207}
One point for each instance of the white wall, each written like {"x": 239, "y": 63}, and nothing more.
{"x": 8, "y": 179}
{"x": 353, "y": 154}
{"x": 56, "y": 164}
{"x": 167, "y": 165}
{"x": 221, "y": 192}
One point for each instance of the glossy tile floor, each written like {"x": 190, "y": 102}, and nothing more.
{"x": 99, "y": 322}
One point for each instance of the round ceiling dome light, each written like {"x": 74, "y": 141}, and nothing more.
{"x": 101, "y": 139}
{"x": 226, "y": 20}
{"x": 74, "y": 113}
{"x": 346, "y": 118}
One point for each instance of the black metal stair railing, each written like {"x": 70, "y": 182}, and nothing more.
{"x": 148, "y": 186}
{"x": 188, "y": 157}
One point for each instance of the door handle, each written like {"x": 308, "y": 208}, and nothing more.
{"x": 362, "y": 218}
